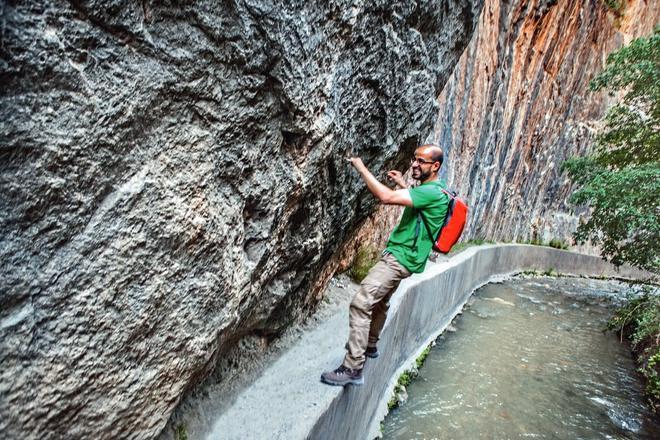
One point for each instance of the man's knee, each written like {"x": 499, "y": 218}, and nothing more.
{"x": 361, "y": 302}
{"x": 373, "y": 283}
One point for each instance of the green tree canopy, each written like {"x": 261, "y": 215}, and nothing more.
{"x": 620, "y": 180}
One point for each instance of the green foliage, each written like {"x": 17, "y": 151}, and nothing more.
{"x": 365, "y": 259}
{"x": 422, "y": 357}
{"x": 476, "y": 241}
{"x": 634, "y": 69}
{"x": 650, "y": 371}
{"x": 643, "y": 313}
{"x": 458, "y": 247}
{"x": 614, "y": 5}
{"x": 550, "y": 272}
{"x": 557, "y": 244}
{"x": 620, "y": 180}
{"x": 404, "y": 380}
{"x": 180, "y": 432}
{"x": 625, "y": 205}
{"x": 407, "y": 377}
{"x": 640, "y": 320}
{"x": 530, "y": 272}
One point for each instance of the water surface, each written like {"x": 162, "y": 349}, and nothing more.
{"x": 529, "y": 359}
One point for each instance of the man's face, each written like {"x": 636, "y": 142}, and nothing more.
{"x": 422, "y": 164}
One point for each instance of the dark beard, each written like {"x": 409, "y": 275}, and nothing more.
{"x": 423, "y": 176}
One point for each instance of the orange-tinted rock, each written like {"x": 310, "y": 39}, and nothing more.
{"x": 518, "y": 105}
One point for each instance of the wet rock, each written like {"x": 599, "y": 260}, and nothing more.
{"x": 173, "y": 181}
{"x": 401, "y": 395}
{"x": 501, "y": 301}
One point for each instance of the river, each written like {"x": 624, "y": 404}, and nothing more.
{"x": 528, "y": 358}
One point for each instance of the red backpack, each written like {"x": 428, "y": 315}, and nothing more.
{"x": 452, "y": 227}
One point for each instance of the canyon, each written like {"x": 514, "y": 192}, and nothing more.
{"x": 175, "y": 184}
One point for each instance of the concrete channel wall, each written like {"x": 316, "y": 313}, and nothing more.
{"x": 423, "y": 308}
{"x": 288, "y": 401}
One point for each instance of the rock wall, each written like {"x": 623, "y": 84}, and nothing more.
{"x": 172, "y": 180}
{"x": 518, "y": 105}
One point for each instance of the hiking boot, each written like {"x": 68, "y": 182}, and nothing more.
{"x": 370, "y": 352}
{"x": 343, "y": 376}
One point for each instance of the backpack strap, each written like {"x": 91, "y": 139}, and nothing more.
{"x": 420, "y": 215}
{"x": 417, "y": 227}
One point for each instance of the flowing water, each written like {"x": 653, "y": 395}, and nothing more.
{"x": 529, "y": 359}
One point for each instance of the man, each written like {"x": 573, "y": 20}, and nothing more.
{"x": 407, "y": 250}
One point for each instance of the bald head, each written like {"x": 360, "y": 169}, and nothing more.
{"x": 432, "y": 151}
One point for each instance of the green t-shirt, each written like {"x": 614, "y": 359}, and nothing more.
{"x": 409, "y": 242}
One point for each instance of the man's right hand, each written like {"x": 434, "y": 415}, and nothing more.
{"x": 397, "y": 177}
{"x": 382, "y": 192}
{"x": 356, "y": 162}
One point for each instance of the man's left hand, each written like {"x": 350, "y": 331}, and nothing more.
{"x": 397, "y": 177}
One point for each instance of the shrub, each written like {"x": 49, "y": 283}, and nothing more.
{"x": 620, "y": 179}
{"x": 180, "y": 432}
{"x": 365, "y": 259}
{"x": 639, "y": 320}
{"x": 407, "y": 377}
{"x": 558, "y": 244}
{"x": 615, "y": 6}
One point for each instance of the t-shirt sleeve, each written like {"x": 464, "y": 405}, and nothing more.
{"x": 424, "y": 196}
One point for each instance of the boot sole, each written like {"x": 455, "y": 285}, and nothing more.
{"x": 356, "y": 382}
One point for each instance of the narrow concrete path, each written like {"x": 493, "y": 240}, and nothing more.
{"x": 288, "y": 401}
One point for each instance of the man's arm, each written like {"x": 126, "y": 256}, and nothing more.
{"x": 380, "y": 191}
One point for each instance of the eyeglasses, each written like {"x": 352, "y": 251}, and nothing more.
{"x": 421, "y": 161}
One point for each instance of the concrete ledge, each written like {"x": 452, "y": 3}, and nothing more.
{"x": 289, "y": 402}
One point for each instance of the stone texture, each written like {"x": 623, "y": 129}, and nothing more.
{"x": 517, "y": 106}
{"x": 173, "y": 180}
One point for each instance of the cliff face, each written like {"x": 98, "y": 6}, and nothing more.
{"x": 173, "y": 180}
{"x": 518, "y": 105}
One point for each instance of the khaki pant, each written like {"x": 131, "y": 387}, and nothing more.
{"x": 369, "y": 308}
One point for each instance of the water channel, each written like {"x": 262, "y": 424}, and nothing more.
{"x": 529, "y": 359}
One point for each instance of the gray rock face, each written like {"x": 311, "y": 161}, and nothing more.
{"x": 518, "y": 105}
{"x": 172, "y": 179}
